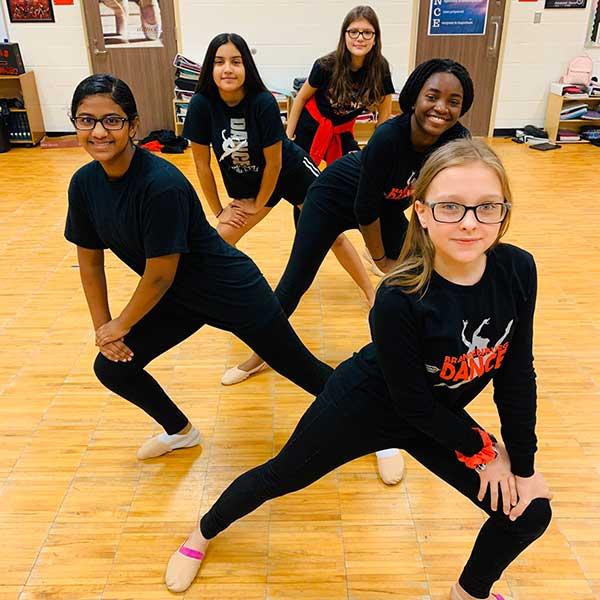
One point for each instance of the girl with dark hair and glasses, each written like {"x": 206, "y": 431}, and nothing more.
{"x": 343, "y": 84}
{"x": 143, "y": 209}
{"x": 371, "y": 189}
{"x": 455, "y": 313}
{"x": 233, "y": 112}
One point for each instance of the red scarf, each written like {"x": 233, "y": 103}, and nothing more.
{"x": 327, "y": 143}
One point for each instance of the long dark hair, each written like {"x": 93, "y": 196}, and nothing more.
{"x": 416, "y": 80}
{"x": 339, "y": 62}
{"x": 103, "y": 83}
{"x": 253, "y": 84}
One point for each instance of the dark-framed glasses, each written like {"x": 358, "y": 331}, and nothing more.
{"x": 354, "y": 34}
{"x": 110, "y": 122}
{"x": 488, "y": 213}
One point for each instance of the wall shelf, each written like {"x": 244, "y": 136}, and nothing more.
{"x": 24, "y": 86}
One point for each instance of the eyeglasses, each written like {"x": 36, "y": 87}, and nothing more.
{"x": 488, "y": 213}
{"x": 110, "y": 123}
{"x": 354, "y": 34}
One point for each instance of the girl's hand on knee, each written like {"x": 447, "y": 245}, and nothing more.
{"x": 116, "y": 351}
{"x": 246, "y": 206}
{"x": 233, "y": 216}
{"x": 500, "y": 480}
{"x": 528, "y": 489}
{"x": 112, "y": 331}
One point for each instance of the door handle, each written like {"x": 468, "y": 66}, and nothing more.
{"x": 97, "y": 50}
{"x": 495, "y": 22}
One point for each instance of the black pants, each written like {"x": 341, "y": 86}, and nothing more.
{"x": 353, "y": 417}
{"x": 166, "y": 325}
{"x": 318, "y": 225}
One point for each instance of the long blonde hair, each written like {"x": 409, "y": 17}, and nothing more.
{"x": 415, "y": 263}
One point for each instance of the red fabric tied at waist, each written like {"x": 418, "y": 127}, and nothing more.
{"x": 327, "y": 143}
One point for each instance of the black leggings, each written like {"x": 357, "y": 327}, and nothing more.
{"x": 317, "y": 228}
{"x": 354, "y": 417}
{"x": 166, "y": 325}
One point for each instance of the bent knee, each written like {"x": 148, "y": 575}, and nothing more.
{"x": 109, "y": 372}
{"x": 536, "y": 518}
{"x": 230, "y": 234}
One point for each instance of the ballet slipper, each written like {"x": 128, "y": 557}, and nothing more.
{"x": 237, "y": 375}
{"x": 370, "y": 263}
{"x": 182, "y": 569}
{"x": 391, "y": 468}
{"x": 454, "y": 595}
{"x": 157, "y": 446}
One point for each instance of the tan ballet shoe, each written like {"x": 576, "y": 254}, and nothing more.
{"x": 455, "y": 595}
{"x": 156, "y": 446}
{"x": 237, "y": 375}
{"x": 182, "y": 569}
{"x": 391, "y": 468}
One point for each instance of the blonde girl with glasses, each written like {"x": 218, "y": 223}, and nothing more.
{"x": 454, "y": 315}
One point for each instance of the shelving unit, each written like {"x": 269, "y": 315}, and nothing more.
{"x": 363, "y": 130}
{"x": 556, "y": 103}
{"x": 23, "y": 86}
{"x": 284, "y": 102}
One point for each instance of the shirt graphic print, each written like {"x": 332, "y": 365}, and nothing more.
{"x": 479, "y": 358}
{"x": 236, "y": 146}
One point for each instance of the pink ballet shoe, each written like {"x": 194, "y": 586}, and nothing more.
{"x": 454, "y": 595}
{"x": 182, "y": 568}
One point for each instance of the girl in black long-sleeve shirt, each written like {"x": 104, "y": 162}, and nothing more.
{"x": 455, "y": 314}
{"x": 370, "y": 190}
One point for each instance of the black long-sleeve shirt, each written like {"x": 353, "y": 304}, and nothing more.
{"x": 437, "y": 352}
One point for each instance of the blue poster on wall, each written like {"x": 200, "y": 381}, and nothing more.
{"x": 458, "y": 17}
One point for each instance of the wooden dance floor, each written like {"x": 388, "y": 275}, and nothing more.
{"x": 82, "y": 519}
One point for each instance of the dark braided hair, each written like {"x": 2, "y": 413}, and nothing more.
{"x": 416, "y": 80}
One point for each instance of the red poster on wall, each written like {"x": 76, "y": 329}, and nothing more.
{"x": 63, "y": 2}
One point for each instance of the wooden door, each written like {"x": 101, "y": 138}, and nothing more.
{"x": 135, "y": 41}
{"x": 478, "y": 53}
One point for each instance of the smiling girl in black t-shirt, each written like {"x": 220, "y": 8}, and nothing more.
{"x": 371, "y": 189}
{"x": 143, "y": 209}
{"x": 233, "y": 113}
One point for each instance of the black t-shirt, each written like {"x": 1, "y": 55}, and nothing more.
{"x": 320, "y": 78}
{"x": 153, "y": 211}
{"x": 437, "y": 352}
{"x": 238, "y": 134}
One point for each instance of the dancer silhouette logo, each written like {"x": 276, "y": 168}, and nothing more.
{"x": 478, "y": 360}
